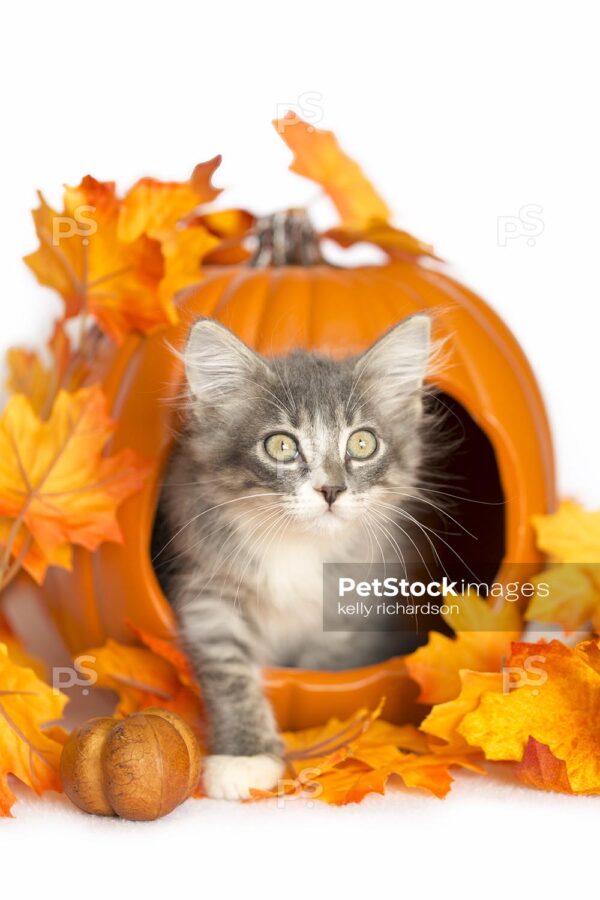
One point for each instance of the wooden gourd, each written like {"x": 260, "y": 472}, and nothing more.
{"x": 139, "y": 768}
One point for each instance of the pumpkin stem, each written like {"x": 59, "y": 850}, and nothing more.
{"x": 286, "y": 238}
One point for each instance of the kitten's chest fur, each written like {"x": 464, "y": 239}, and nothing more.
{"x": 287, "y": 595}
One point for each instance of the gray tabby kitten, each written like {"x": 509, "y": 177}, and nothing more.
{"x": 281, "y": 466}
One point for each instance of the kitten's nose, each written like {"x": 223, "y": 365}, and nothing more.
{"x": 331, "y": 491}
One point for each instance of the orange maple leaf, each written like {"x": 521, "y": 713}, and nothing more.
{"x": 396, "y": 243}
{"x": 231, "y": 226}
{"x": 56, "y": 487}
{"x": 155, "y": 675}
{"x": 483, "y": 639}
{"x": 342, "y": 762}
{"x": 82, "y": 257}
{"x": 184, "y": 250}
{"x": 26, "y": 751}
{"x": 155, "y": 207}
{"x": 318, "y": 156}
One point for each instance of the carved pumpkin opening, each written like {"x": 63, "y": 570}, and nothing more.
{"x": 462, "y": 515}
{"x": 467, "y": 487}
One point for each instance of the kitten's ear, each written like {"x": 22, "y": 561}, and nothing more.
{"x": 217, "y": 363}
{"x": 394, "y": 368}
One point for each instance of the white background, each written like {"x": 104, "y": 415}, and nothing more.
{"x": 462, "y": 113}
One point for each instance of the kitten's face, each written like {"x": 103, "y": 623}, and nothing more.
{"x": 324, "y": 442}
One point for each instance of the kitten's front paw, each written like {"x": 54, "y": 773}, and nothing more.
{"x": 231, "y": 777}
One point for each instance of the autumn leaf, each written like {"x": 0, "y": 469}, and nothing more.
{"x": 444, "y": 719}
{"x": 540, "y": 769}
{"x": 155, "y": 675}
{"x": 571, "y": 535}
{"x": 28, "y": 374}
{"x": 231, "y": 227}
{"x": 26, "y": 751}
{"x": 169, "y": 651}
{"x": 17, "y": 544}
{"x": 571, "y": 598}
{"x": 16, "y": 652}
{"x": 571, "y": 538}
{"x": 396, "y": 243}
{"x": 318, "y": 156}
{"x": 483, "y": 639}
{"x": 554, "y": 699}
{"x": 342, "y": 762}
{"x": 155, "y": 207}
{"x": 184, "y": 251}
{"x": 82, "y": 257}
{"x": 56, "y": 487}
{"x": 138, "y": 676}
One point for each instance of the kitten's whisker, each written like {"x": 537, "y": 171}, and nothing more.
{"x": 405, "y": 533}
{"x": 424, "y": 528}
{"x": 197, "y": 543}
{"x": 370, "y": 523}
{"x": 265, "y": 519}
{"x": 436, "y": 555}
{"x": 236, "y": 549}
{"x": 391, "y": 539}
{"x": 439, "y": 509}
{"x": 205, "y": 512}
{"x": 463, "y": 499}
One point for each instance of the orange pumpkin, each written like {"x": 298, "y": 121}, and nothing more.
{"x": 290, "y": 298}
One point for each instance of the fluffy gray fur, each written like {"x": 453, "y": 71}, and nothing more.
{"x": 242, "y": 538}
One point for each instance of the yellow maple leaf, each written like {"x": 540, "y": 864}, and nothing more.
{"x": 570, "y": 535}
{"x": 184, "y": 251}
{"x": 28, "y": 375}
{"x": 56, "y": 487}
{"x": 16, "y": 652}
{"x": 483, "y": 638}
{"x": 571, "y": 598}
{"x": 558, "y": 708}
{"x": 444, "y": 719}
{"x": 26, "y": 751}
{"x": 571, "y": 538}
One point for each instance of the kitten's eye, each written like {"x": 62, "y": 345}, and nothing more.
{"x": 281, "y": 447}
{"x": 361, "y": 445}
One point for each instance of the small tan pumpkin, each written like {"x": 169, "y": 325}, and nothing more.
{"x": 138, "y": 768}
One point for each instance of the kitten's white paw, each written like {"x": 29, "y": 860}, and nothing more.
{"x": 231, "y": 777}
